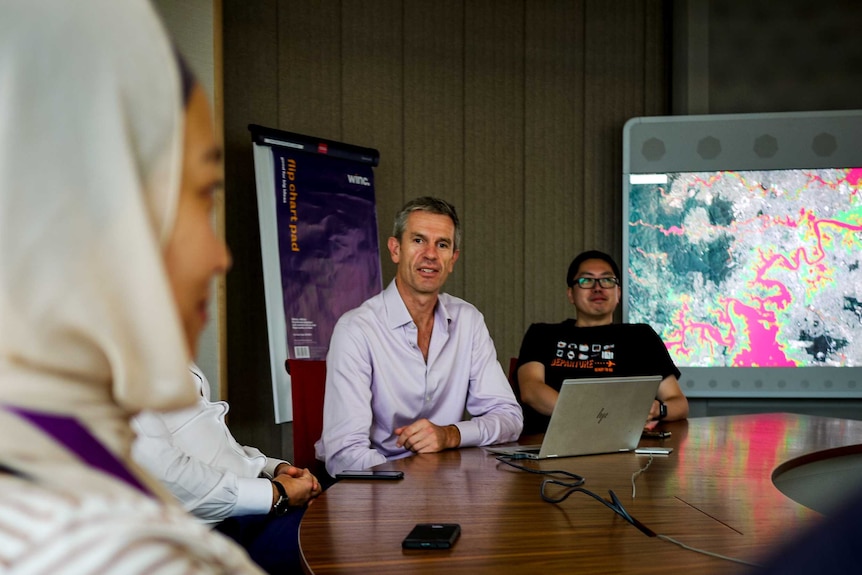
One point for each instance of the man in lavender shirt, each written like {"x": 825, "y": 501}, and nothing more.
{"x": 404, "y": 366}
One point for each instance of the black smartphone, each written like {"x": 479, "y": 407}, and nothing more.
{"x": 654, "y": 434}
{"x": 370, "y": 474}
{"x": 432, "y": 536}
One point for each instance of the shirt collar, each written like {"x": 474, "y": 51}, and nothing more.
{"x": 397, "y": 313}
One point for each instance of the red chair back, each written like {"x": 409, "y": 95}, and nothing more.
{"x": 308, "y": 383}
{"x": 513, "y": 378}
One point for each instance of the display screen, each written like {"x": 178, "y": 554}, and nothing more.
{"x": 748, "y": 268}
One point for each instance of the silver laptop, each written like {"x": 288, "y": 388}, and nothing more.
{"x": 593, "y": 415}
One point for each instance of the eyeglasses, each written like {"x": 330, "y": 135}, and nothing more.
{"x": 589, "y": 283}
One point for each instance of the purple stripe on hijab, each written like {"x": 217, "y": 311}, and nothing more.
{"x": 75, "y": 437}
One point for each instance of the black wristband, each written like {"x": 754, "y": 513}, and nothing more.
{"x": 283, "y": 502}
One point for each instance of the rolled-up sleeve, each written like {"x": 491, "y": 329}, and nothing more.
{"x": 496, "y": 415}
{"x": 347, "y": 410}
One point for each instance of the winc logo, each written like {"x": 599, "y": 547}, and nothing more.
{"x": 361, "y": 180}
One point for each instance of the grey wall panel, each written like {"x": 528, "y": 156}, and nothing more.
{"x": 553, "y": 155}
{"x": 494, "y": 169}
{"x": 608, "y": 81}
{"x": 789, "y": 56}
{"x": 372, "y": 98}
{"x": 657, "y": 58}
{"x": 308, "y": 76}
{"x": 434, "y": 40}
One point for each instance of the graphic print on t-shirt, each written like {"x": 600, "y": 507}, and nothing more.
{"x": 595, "y": 357}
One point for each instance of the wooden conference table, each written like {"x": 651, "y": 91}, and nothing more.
{"x": 714, "y": 492}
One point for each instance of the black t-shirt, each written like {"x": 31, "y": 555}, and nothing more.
{"x": 570, "y": 352}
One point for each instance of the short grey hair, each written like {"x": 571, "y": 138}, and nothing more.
{"x": 430, "y": 205}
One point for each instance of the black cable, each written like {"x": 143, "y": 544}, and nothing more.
{"x": 614, "y": 504}
{"x": 574, "y": 486}
{"x": 577, "y": 479}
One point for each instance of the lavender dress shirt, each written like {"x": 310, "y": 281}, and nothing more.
{"x": 377, "y": 381}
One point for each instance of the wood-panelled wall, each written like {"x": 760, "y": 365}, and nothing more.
{"x": 511, "y": 109}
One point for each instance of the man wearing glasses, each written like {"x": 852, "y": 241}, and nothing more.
{"x": 593, "y": 346}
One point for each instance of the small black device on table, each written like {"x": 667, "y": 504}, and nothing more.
{"x": 432, "y": 536}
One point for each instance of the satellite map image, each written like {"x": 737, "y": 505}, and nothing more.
{"x": 749, "y": 268}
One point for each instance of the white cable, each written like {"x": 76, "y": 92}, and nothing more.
{"x": 638, "y": 472}
{"x": 710, "y": 553}
{"x": 681, "y": 544}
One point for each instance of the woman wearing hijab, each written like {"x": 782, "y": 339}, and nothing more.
{"x": 108, "y": 167}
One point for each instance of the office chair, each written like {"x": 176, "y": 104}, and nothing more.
{"x": 513, "y": 378}
{"x": 308, "y": 383}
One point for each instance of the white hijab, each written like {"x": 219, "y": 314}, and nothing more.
{"x": 91, "y": 123}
